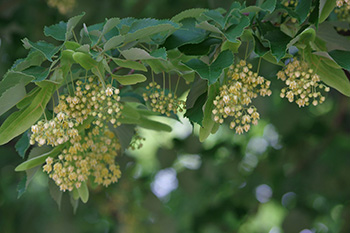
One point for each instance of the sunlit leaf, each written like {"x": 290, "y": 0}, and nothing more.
{"x": 20, "y": 121}
{"x": 40, "y": 159}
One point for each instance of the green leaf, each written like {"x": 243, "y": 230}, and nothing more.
{"x": 198, "y": 88}
{"x": 129, "y": 79}
{"x": 74, "y": 202}
{"x": 151, "y": 30}
{"x": 333, "y": 77}
{"x": 40, "y": 159}
{"x": 140, "y": 54}
{"x": 325, "y": 8}
{"x": 20, "y": 121}
{"x": 130, "y": 112}
{"x": 195, "y": 113}
{"x": 211, "y": 72}
{"x": 85, "y": 60}
{"x": 159, "y": 53}
{"x": 187, "y": 34}
{"x": 109, "y": 25}
{"x": 269, "y": 5}
{"x": 202, "y": 48}
{"x": 208, "y": 123}
{"x": 231, "y": 46}
{"x": 216, "y": 17}
{"x": 23, "y": 144}
{"x": 21, "y": 188}
{"x": 236, "y": 30}
{"x": 278, "y": 43}
{"x": 342, "y": 58}
{"x": 191, "y": 13}
{"x": 72, "y": 45}
{"x": 28, "y": 98}
{"x": 259, "y": 48}
{"x": 208, "y": 27}
{"x": 39, "y": 73}
{"x": 153, "y": 125}
{"x": 11, "y": 97}
{"x": 71, "y": 24}
{"x": 57, "y": 76}
{"x": 125, "y": 134}
{"x": 34, "y": 58}
{"x": 314, "y": 15}
{"x": 114, "y": 42}
{"x": 47, "y": 49}
{"x": 270, "y": 58}
{"x": 303, "y": 9}
{"x": 63, "y": 31}
{"x": 83, "y": 192}
{"x": 13, "y": 82}
{"x": 57, "y": 31}
{"x": 129, "y": 64}
{"x": 334, "y": 41}
{"x": 306, "y": 36}
{"x": 55, "y": 193}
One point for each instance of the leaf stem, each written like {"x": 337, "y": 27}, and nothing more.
{"x": 163, "y": 83}
{"x": 246, "y": 51}
{"x": 177, "y": 84}
{"x": 258, "y": 66}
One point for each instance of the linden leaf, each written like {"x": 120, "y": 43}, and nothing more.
{"x": 213, "y": 71}
{"x": 38, "y": 160}
{"x": 83, "y": 192}
{"x": 20, "y": 121}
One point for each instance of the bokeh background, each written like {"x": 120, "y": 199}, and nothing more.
{"x": 288, "y": 174}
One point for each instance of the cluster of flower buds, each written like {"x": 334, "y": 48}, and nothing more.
{"x": 92, "y": 156}
{"x": 162, "y": 102}
{"x": 303, "y": 84}
{"x": 235, "y": 98}
{"x": 88, "y": 153}
{"x": 54, "y": 132}
{"x": 92, "y": 99}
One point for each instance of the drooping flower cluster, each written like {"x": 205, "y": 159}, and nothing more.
{"x": 303, "y": 84}
{"x": 161, "y": 102}
{"x": 91, "y": 99}
{"x": 235, "y": 98}
{"x": 92, "y": 156}
{"x": 54, "y": 132}
{"x": 91, "y": 152}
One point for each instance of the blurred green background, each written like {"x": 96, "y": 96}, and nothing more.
{"x": 288, "y": 174}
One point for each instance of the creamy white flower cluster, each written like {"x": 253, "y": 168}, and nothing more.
{"x": 303, "y": 84}
{"x": 92, "y": 156}
{"x": 161, "y": 102}
{"x": 54, "y": 132}
{"x": 91, "y": 99}
{"x": 235, "y": 98}
{"x": 91, "y": 152}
